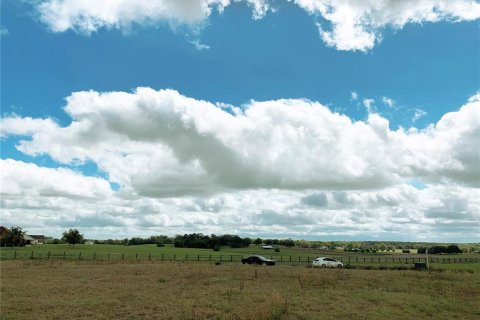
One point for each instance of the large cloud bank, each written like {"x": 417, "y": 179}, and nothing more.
{"x": 290, "y": 167}
{"x": 343, "y": 24}
{"x": 163, "y": 144}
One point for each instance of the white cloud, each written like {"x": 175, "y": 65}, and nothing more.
{"x": 163, "y": 144}
{"x": 389, "y": 102}
{"x": 186, "y": 165}
{"x": 87, "y": 16}
{"x": 418, "y": 113}
{"x": 199, "y": 46}
{"x": 438, "y": 213}
{"x": 354, "y": 25}
{"x": 27, "y": 179}
{"x": 354, "y": 95}
{"x": 369, "y": 105}
{"x": 357, "y": 25}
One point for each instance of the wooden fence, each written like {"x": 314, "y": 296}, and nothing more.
{"x": 9, "y": 255}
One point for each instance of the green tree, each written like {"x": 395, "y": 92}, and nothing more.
{"x": 73, "y": 237}
{"x": 258, "y": 241}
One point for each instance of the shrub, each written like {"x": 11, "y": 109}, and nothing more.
{"x": 216, "y": 248}
{"x": 405, "y": 251}
{"x": 277, "y": 250}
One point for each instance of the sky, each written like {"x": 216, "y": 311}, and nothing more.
{"x": 304, "y": 119}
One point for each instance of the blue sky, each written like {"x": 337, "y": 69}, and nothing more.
{"x": 429, "y": 69}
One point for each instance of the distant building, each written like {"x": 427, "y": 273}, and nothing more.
{"x": 40, "y": 238}
{"x": 29, "y": 240}
{"x": 267, "y": 247}
{"x": 4, "y": 232}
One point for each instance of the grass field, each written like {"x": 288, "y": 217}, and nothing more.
{"x": 48, "y": 289}
{"x": 170, "y": 250}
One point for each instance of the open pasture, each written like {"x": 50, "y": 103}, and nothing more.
{"x": 287, "y": 256}
{"x": 43, "y": 289}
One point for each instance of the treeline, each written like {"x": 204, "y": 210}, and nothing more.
{"x": 199, "y": 240}
{"x": 440, "y": 249}
{"x": 160, "y": 241}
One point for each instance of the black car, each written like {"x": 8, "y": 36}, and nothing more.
{"x": 258, "y": 260}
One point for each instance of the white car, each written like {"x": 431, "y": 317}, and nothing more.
{"x": 327, "y": 262}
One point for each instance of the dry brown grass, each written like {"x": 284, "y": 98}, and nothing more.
{"x": 168, "y": 290}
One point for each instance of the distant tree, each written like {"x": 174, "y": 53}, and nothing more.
{"x": 277, "y": 250}
{"x": 382, "y": 246}
{"x": 258, "y": 241}
{"x": 14, "y": 238}
{"x": 288, "y": 243}
{"x": 453, "y": 249}
{"x": 73, "y": 237}
{"x": 421, "y": 250}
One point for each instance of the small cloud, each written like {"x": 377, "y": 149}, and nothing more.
{"x": 199, "y": 46}
{"x": 354, "y": 95}
{"x": 389, "y": 102}
{"x": 370, "y": 105}
{"x": 4, "y": 31}
{"x": 418, "y": 113}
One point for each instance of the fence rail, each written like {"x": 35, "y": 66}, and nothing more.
{"x": 62, "y": 255}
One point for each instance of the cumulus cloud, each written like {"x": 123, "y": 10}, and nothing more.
{"x": 88, "y": 16}
{"x": 357, "y": 25}
{"x": 290, "y": 167}
{"x": 27, "y": 179}
{"x": 438, "y": 212}
{"x": 344, "y": 24}
{"x": 163, "y": 144}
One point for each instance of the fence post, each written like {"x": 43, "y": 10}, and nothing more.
{"x": 48, "y": 255}
{"x": 64, "y": 253}
{"x": 136, "y": 256}
{"x": 281, "y": 258}
{"x": 149, "y": 256}
{"x": 290, "y": 258}
{"x": 198, "y": 257}
{"x": 209, "y": 257}
{"x": 174, "y": 256}
{"x": 94, "y": 256}
{"x": 80, "y": 255}
{"x": 123, "y": 256}
{"x": 31, "y": 257}
{"x": 109, "y": 256}
{"x": 186, "y": 257}
{"x": 162, "y": 256}
{"x": 15, "y": 255}
{"x": 220, "y": 258}
{"x": 308, "y": 258}
{"x": 298, "y": 258}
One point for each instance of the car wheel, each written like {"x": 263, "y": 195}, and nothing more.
{"x": 324, "y": 265}
{"x": 264, "y": 263}
{"x": 339, "y": 266}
